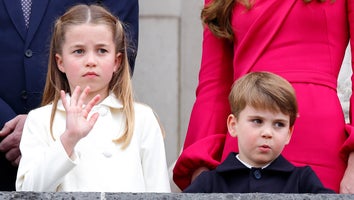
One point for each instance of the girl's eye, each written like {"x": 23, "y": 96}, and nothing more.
{"x": 102, "y": 51}
{"x": 79, "y": 51}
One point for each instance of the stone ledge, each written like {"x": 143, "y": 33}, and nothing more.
{"x": 164, "y": 196}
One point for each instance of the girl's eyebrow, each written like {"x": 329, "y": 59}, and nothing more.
{"x": 82, "y": 45}
{"x": 76, "y": 45}
{"x": 101, "y": 45}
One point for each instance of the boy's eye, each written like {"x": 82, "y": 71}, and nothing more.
{"x": 257, "y": 121}
{"x": 279, "y": 124}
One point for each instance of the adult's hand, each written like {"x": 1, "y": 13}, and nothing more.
{"x": 347, "y": 184}
{"x": 12, "y": 132}
{"x": 198, "y": 172}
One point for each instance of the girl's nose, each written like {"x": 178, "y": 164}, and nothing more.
{"x": 91, "y": 60}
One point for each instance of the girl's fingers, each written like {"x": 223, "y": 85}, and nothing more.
{"x": 77, "y": 101}
{"x": 75, "y": 95}
{"x": 63, "y": 98}
{"x": 83, "y": 96}
{"x": 93, "y": 119}
{"x": 92, "y": 103}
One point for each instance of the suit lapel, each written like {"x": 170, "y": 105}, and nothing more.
{"x": 260, "y": 35}
{"x": 37, "y": 12}
{"x": 15, "y": 12}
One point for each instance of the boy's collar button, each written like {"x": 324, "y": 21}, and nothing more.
{"x": 257, "y": 173}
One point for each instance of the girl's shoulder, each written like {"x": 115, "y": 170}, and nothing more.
{"x": 40, "y": 115}
{"x": 138, "y": 106}
{"x": 41, "y": 110}
{"x": 144, "y": 111}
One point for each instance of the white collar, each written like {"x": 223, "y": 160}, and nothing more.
{"x": 248, "y": 165}
{"x": 110, "y": 101}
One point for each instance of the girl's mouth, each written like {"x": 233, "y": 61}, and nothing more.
{"x": 90, "y": 74}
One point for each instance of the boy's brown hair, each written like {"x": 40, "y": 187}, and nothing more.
{"x": 264, "y": 90}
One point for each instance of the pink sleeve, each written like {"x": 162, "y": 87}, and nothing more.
{"x": 207, "y": 127}
{"x": 349, "y": 143}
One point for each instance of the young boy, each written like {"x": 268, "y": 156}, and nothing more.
{"x": 264, "y": 109}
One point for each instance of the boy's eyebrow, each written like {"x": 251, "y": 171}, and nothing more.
{"x": 260, "y": 116}
{"x": 254, "y": 116}
{"x": 282, "y": 120}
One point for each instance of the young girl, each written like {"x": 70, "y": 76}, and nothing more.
{"x": 89, "y": 135}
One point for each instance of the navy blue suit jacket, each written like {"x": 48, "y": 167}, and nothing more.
{"x": 231, "y": 176}
{"x": 24, "y": 56}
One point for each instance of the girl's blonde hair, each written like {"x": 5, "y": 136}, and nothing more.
{"x": 266, "y": 91}
{"x": 217, "y": 15}
{"x": 120, "y": 83}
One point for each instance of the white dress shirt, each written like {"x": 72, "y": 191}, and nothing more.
{"x": 98, "y": 164}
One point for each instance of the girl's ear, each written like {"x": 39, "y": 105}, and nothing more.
{"x": 59, "y": 61}
{"x": 231, "y": 125}
{"x": 117, "y": 62}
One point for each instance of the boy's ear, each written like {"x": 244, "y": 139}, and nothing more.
{"x": 231, "y": 125}
{"x": 291, "y": 130}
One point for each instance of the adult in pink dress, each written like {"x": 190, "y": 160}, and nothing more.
{"x": 302, "y": 42}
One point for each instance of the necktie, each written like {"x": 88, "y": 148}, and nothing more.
{"x": 26, "y": 8}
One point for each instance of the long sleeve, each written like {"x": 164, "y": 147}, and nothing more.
{"x": 207, "y": 127}
{"x": 310, "y": 183}
{"x": 153, "y": 155}
{"x": 44, "y": 163}
{"x": 349, "y": 143}
{"x": 7, "y": 113}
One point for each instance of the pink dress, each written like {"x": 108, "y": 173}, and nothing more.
{"x": 304, "y": 43}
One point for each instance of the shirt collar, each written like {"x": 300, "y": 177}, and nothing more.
{"x": 231, "y": 163}
{"x": 110, "y": 101}
{"x": 250, "y": 166}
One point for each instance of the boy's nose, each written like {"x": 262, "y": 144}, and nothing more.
{"x": 266, "y": 132}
